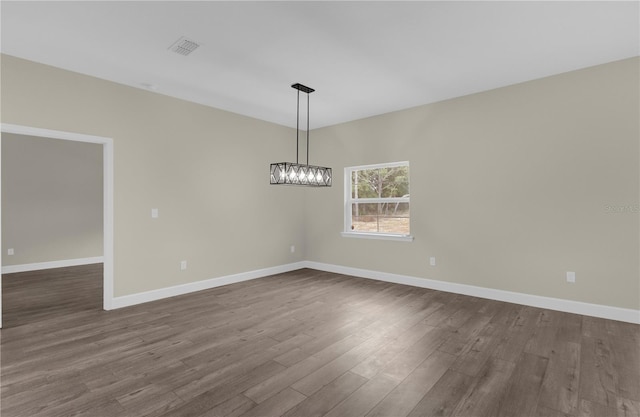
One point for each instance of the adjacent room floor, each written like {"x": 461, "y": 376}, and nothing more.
{"x": 306, "y": 343}
{"x": 29, "y": 297}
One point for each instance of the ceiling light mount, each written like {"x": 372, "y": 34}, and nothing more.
{"x": 289, "y": 173}
{"x": 303, "y": 88}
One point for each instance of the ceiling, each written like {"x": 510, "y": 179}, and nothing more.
{"x": 363, "y": 58}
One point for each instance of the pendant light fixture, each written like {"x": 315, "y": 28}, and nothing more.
{"x": 289, "y": 173}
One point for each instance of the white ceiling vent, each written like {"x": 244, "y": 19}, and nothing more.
{"x": 184, "y": 46}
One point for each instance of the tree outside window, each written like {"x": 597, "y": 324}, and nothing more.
{"x": 378, "y": 199}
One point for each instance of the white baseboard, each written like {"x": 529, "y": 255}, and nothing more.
{"x": 569, "y": 306}
{"x": 153, "y": 295}
{"x": 10, "y": 269}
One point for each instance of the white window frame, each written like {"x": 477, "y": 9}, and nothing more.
{"x": 348, "y": 201}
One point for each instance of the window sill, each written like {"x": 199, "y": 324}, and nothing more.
{"x": 379, "y": 236}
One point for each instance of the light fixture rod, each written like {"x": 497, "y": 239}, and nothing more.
{"x": 298, "y": 127}
{"x": 307, "y": 129}
{"x": 307, "y": 90}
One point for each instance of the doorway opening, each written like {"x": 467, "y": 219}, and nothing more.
{"x": 70, "y": 270}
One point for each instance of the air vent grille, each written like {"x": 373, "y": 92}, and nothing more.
{"x": 184, "y": 46}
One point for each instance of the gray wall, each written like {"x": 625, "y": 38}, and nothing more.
{"x": 510, "y": 188}
{"x": 51, "y": 199}
{"x": 206, "y": 170}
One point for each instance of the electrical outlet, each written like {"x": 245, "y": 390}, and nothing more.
{"x": 183, "y": 265}
{"x": 154, "y": 213}
{"x": 432, "y": 261}
{"x": 10, "y": 251}
{"x": 292, "y": 248}
{"x": 571, "y": 277}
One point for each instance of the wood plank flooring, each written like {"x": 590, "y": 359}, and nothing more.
{"x": 305, "y": 343}
{"x": 28, "y": 297}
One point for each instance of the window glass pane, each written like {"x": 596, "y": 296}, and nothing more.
{"x": 380, "y": 218}
{"x": 364, "y": 217}
{"x": 355, "y": 180}
{"x": 380, "y": 182}
{"x": 365, "y": 183}
{"x": 394, "y": 218}
{"x": 394, "y": 181}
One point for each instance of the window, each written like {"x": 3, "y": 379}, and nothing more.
{"x": 377, "y": 201}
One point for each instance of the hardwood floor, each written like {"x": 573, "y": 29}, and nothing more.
{"x": 28, "y": 297}
{"x": 308, "y": 343}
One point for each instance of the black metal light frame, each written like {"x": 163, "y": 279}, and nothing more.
{"x": 290, "y": 173}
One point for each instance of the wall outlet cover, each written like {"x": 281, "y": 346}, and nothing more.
{"x": 571, "y": 277}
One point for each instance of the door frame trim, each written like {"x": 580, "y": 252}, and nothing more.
{"x": 107, "y": 189}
